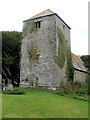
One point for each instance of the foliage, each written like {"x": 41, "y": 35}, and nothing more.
{"x": 62, "y": 49}
{"x": 15, "y": 92}
{"x": 42, "y": 104}
{"x": 33, "y": 27}
{"x": 33, "y": 52}
{"x": 76, "y": 96}
{"x": 77, "y": 90}
{"x": 29, "y": 27}
{"x": 69, "y": 67}
{"x": 8, "y": 60}
{"x": 10, "y": 55}
{"x": 64, "y": 54}
{"x": 86, "y": 60}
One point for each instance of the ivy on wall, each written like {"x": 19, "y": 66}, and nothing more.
{"x": 29, "y": 27}
{"x": 62, "y": 49}
{"x": 69, "y": 67}
{"x": 64, "y": 54}
{"x": 51, "y": 41}
{"x": 33, "y": 52}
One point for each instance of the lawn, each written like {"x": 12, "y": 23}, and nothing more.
{"x": 0, "y": 105}
{"x": 42, "y": 104}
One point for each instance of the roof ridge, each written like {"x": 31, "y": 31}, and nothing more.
{"x": 45, "y": 12}
{"x": 75, "y": 56}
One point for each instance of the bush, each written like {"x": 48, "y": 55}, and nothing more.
{"x": 76, "y": 90}
{"x": 17, "y": 92}
{"x": 81, "y": 88}
{"x": 66, "y": 88}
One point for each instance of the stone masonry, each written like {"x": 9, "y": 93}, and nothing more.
{"x": 42, "y": 71}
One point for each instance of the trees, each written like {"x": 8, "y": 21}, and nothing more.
{"x": 10, "y": 56}
{"x": 86, "y": 60}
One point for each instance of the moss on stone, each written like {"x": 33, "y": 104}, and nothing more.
{"x": 32, "y": 27}
{"x": 29, "y": 27}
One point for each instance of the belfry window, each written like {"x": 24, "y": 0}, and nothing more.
{"x": 38, "y": 24}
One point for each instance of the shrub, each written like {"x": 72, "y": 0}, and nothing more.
{"x": 13, "y": 92}
{"x": 77, "y": 90}
{"x": 69, "y": 67}
{"x": 67, "y": 88}
{"x": 80, "y": 88}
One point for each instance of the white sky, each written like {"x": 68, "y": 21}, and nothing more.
{"x": 73, "y": 12}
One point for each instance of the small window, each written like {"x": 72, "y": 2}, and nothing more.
{"x": 38, "y": 24}
{"x": 36, "y": 82}
{"x": 63, "y": 26}
{"x": 37, "y": 79}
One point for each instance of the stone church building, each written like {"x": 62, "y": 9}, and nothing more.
{"x": 39, "y": 46}
{"x": 81, "y": 72}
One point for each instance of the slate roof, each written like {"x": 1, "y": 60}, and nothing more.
{"x": 78, "y": 63}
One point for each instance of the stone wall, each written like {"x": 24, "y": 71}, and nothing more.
{"x": 42, "y": 71}
{"x": 80, "y": 76}
{"x": 64, "y": 28}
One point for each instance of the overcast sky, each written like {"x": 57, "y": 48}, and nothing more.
{"x": 73, "y": 12}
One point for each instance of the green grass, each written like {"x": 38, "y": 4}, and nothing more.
{"x": 0, "y": 105}
{"x": 42, "y": 104}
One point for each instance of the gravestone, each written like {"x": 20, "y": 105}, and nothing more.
{"x": 10, "y": 87}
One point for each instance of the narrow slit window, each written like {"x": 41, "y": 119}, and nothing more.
{"x": 36, "y": 24}
{"x": 63, "y": 26}
{"x": 39, "y": 24}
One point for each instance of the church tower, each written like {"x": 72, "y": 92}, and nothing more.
{"x": 40, "y": 45}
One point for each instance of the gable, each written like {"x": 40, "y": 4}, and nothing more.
{"x": 78, "y": 63}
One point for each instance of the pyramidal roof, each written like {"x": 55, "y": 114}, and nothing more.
{"x": 44, "y": 13}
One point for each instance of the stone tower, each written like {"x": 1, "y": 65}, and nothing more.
{"x": 39, "y": 46}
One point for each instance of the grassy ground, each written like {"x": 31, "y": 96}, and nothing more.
{"x": 0, "y": 105}
{"x": 42, "y": 104}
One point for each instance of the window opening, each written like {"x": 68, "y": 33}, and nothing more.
{"x": 63, "y": 26}
{"x": 38, "y": 24}
{"x": 37, "y": 79}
